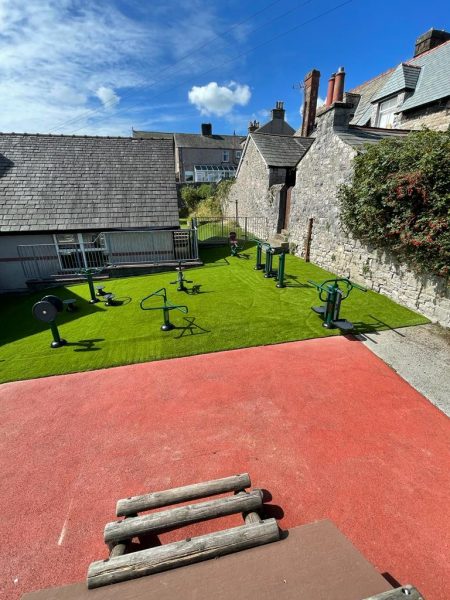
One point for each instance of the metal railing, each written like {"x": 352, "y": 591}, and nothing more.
{"x": 110, "y": 249}
{"x": 216, "y": 230}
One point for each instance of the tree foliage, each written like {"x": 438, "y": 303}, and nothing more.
{"x": 399, "y": 199}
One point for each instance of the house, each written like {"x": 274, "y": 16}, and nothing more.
{"x": 413, "y": 94}
{"x": 327, "y": 143}
{"x": 201, "y": 156}
{"x": 60, "y": 194}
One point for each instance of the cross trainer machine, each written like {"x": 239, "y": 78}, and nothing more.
{"x": 180, "y": 278}
{"x": 89, "y": 273}
{"x": 332, "y": 295}
{"x": 166, "y": 308}
{"x": 46, "y": 310}
{"x": 271, "y": 251}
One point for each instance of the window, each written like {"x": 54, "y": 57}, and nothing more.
{"x": 189, "y": 175}
{"x": 226, "y": 156}
{"x": 386, "y": 111}
{"x": 238, "y": 154}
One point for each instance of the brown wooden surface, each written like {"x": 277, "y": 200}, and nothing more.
{"x": 135, "y": 504}
{"x": 315, "y": 562}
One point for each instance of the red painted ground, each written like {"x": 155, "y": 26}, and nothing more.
{"x": 324, "y": 425}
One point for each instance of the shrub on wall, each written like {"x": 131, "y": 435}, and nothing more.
{"x": 399, "y": 199}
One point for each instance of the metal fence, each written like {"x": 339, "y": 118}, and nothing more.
{"x": 215, "y": 230}
{"x": 110, "y": 249}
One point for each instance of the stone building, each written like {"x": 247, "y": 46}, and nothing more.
{"x": 416, "y": 93}
{"x": 327, "y": 145}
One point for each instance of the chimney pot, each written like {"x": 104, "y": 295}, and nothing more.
{"x": 253, "y": 126}
{"x": 330, "y": 90}
{"x": 338, "y": 92}
{"x": 278, "y": 112}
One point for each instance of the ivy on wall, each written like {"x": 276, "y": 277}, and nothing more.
{"x": 399, "y": 199}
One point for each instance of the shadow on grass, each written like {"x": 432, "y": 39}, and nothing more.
{"x": 19, "y": 323}
{"x": 119, "y": 301}
{"x": 297, "y": 284}
{"x": 86, "y": 345}
{"x": 191, "y": 328}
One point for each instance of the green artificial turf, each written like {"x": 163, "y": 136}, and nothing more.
{"x": 235, "y": 308}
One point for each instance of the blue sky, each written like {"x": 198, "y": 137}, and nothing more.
{"x": 103, "y": 67}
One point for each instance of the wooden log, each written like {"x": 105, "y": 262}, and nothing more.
{"x": 405, "y": 592}
{"x": 244, "y": 502}
{"x": 177, "y": 554}
{"x": 118, "y": 550}
{"x": 252, "y": 517}
{"x": 135, "y": 504}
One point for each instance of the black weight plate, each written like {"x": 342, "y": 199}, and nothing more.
{"x": 57, "y": 302}
{"x": 44, "y": 311}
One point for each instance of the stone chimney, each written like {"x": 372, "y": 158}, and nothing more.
{"x": 338, "y": 90}
{"x": 311, "y": 91}
{"x": 253, "y": 126}
{"x": 278, "y": 112}
{"x": 206, "y": 129}
{"x": 429, "y": 40}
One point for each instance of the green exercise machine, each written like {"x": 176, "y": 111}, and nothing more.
{"x": 166, "y": 308}
{"x": 180, "y": 278}
{"x": 332, "y": 292}
{"x": 271, "y": 251}
{"x": 46, "y": 310}
{"x": 89, "y": 273}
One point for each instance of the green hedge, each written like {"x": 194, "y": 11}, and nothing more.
{"x": 399, "y": 199}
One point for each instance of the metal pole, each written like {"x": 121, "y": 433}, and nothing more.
{"x": 258, "y": 265}
{"x": 245, "y": 228}
{"x": 280, "y": 276}
{"x": 91, "y": 287}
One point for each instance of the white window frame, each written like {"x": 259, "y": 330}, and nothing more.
{"x": 226, "y": 156}
{"x": 386, "y": 113}
{"x": 238, "y": 154}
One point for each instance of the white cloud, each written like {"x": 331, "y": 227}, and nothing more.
{"x": 59, "y": 57}
{"x": 212, "y": 99}
{"x": 107, "y": 97}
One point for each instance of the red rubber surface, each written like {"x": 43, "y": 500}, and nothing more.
{"x": 324, "y": 425}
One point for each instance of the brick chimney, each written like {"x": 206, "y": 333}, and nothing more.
{"x": 253, "y": 126}
{"x": 278, "y": 112}
{"x": 206, "y": 129}
{"x": 330, "y": 90}
{"x": 311, "y": 91}
{"x": 338, "y": 91}
{"x": 430, "y": 39}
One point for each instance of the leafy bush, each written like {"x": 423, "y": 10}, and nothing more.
{"x": 210, "y": 207}
{"x": 399, "y": 199}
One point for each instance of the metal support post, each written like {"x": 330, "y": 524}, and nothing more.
{"x": 90, "y": 281}
{"x": 57, "y": 341}
{"x": 280, "y": 275}
{"x": 259, "y": 264}
{"x": 268, "y": 270}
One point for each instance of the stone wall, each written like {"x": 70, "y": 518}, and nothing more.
{"x": 324, "y": 168}
{"x": 252, "y": 191}
{"x": 434, "y": 117}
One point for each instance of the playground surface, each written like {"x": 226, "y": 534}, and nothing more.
{"x": 234, "y": 307}
{"x": 324, "y": 425}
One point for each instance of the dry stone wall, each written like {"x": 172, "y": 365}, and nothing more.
{"x": 433, "y": 117}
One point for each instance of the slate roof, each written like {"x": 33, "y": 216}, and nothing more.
{"x": 61, "y": 183}
{"x": 403, "y": 78}
{"x": 276, "y": 126}
{"x": 281, "y": 150}
{"x": 196, "y": 140}
{"x": 358, "y": 137}
{"x": 431, "y": 85}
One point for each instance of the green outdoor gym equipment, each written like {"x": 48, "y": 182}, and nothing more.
{"x": 46, "y": 310}
{"x": 89, "y": 273}
{"x": 332, "y": 295}
{"x": 180, "y": 278}
{"x": 168, "y": 306}
{"x": 271, "y": 251}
